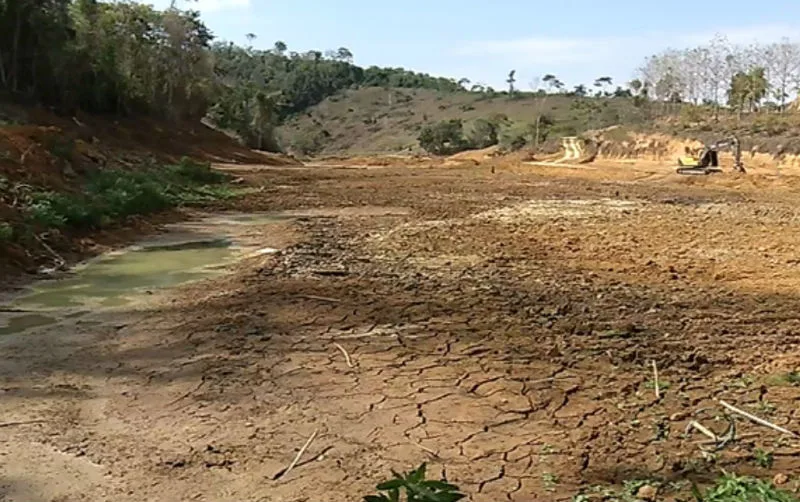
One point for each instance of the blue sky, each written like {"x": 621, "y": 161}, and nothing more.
{"x": 577, "y": 40}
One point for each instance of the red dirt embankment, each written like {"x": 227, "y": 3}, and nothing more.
{"x": 55, "y": 153}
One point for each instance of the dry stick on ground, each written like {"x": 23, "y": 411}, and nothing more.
{"x": 57, "y": 256}
{"x": 697, "y": 425}
{"x": 757, "y": 420}
{"x": 346, "y": 355}
{"x": 23, "y": 422}
{"x": 320, "y": 298}
{"x": 655, "y": 380}
{"x": 284, "y": 472}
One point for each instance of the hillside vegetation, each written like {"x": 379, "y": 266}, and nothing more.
{"x": 374, "y": 120}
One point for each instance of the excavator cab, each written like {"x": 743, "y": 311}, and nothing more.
{"x": 707, "y": 162}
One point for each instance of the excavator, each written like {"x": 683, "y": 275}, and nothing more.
{"x": 707, "y": 162}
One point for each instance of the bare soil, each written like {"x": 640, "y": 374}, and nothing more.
{"x": 500, "y": 325}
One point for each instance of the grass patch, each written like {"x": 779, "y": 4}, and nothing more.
{"x": 763, "y": 458}
{"x": 732, "y": 488}
{"x": 785, "y": 379}
{"x": 111, "y": 195}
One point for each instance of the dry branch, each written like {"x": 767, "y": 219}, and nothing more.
{"x": 346, "y": 355}
{"x": 655, "y": 380}
{"x": 284, "y": 472}
{"x": 320, "y": 298}
{"x": 757, "y": 420}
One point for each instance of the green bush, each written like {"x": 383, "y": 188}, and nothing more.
{"x": 198, "y": 172}
{"x": 6, "y": 232}
{"x": 483, "y": 134}
{"x": 111, "y": 195}
{"x": 443, "y": 138}
{"x": 732, "y": 488}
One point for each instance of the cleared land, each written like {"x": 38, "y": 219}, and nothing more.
{"x": 500, "y": 326}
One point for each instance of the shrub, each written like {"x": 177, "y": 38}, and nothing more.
{"x": 6, "y": 232}
{"x": 198, "y": 172}
{"x": 443, "y": 138}
{"x": 115, "y": 194}
{"x": 483, "y": 134}
{"x": 417, "y": 489}
{"x": 312, "y": 141}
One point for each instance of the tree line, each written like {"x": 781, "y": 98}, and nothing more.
{"x": 129, "y": 58}
{"x": 719, "y": 72}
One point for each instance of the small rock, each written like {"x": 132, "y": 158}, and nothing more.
{"x": 780, "y": 479}
{"x": 647, "y": 492}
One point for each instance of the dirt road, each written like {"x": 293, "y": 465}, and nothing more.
{"x": 501, "y": 327}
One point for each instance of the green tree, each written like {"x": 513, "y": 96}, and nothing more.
{"x": 511, "y": 80}
{"x": 748, "y": 89}
{"x": 483, "y": 134}
{"x": 443, "y": 138}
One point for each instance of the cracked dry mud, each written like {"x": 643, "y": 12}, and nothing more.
{"x": 500, "y": 327}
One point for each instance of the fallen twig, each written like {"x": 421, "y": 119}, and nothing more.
{"x": 426, "y": 449}
{"x": 757, "y": 420}
{"x": 655, "y": 380}
{"x": 320, "y": 298}
{"x": 346, "y": 355}
{"x": 284, "y": 472}
{"x": 21, "y": 422}
{"x": 59, "y": 260}
{"x": 702, "y": 429}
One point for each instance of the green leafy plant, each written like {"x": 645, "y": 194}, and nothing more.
{"x": 416, "y": 488}
{"x": 6, "y": 232}
{"x": 114, "y": 194}
{"x": 763, "y": 458}
{"x": 733, "y": 488}
{"x": 550, "y": 481}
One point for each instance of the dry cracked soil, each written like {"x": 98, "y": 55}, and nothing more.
{"x": 500, "y": 326}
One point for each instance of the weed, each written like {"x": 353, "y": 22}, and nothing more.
{"x": 550, "y": 481}
{"x": 417, "y": 489}
{"x": 766, "y": 407}
{"x": 732, "y": 488}
{"x": 661, "y": 430}
{"x": 744, "y": 381}
{"x": 763, "y": 458}
{"x": 547, "y": 449}
{"x": 662, "y": 385}
{"x": 197, "y": 172}
{"x": 115, "y": 194}
{"x": 790, "y": 378}
{"x": 6, "y": 232}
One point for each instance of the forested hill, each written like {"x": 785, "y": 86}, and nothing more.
{"x": 128, "y": 58}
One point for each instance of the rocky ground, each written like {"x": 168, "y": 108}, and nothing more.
{"x": 501, "y": 326}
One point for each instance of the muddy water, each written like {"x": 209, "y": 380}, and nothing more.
{"x": 187, "y": 252}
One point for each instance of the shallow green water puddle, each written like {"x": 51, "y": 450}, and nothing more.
{"x": 121, "y": 278}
